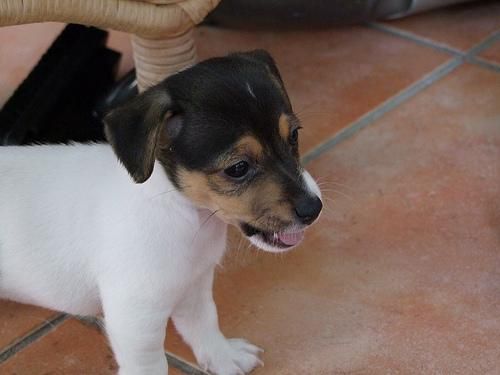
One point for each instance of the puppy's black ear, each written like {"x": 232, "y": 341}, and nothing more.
{"x": 262, "y": 56}
{"x": 134, "y": 129}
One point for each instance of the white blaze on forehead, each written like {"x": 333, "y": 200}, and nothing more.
{"x": 311, "y": 185}
{"x": 249, "y": 88}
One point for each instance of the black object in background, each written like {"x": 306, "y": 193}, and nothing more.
{"x": 55, "y": 103}
{"x": 122, "y": 91}
{"x": 302, "y": 14}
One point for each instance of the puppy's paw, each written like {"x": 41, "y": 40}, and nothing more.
{"x": 231, "y": 357}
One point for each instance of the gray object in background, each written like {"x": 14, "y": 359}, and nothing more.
{"x": 418, "y": 6}
{"x": 314, "y": 13}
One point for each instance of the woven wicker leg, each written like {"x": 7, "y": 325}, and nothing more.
{"x": 155, "y": 59}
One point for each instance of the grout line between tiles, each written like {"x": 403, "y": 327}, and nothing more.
{"x": 407, "y": 93}
{"x": 415, "y": 38}
{"x": 383, "y": 108}
{"x": 184, "y": 366}
{"x": 32, "y": 336}
{"x": 485, "y": 63}
{"x": 173, "y": 360}
{"x": 484, "y": 44}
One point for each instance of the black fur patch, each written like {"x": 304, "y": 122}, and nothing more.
{"x": 218, "y": 101}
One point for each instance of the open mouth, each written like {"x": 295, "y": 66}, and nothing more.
{"x": 282, "y": 240}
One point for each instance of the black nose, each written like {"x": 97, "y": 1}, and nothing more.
{"x": 308, "y": 209}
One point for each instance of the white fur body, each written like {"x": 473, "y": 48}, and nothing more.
{"x": 78, "y": 235}
{"x": 71, "y": 219}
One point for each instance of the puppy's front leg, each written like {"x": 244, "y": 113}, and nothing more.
{"x": 195, "y": 317}
{"x": 136, "y": 331}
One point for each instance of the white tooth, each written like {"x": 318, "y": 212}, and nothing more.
{"x": 275, "y": 235}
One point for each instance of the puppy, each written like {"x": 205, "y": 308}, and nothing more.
{"x": 213, "y": 145}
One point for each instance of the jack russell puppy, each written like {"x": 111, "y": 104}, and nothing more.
{"x": 212, "y": 145}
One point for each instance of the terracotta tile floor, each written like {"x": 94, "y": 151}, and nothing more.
{"x": 460, "y": 26}
{"x": 402, "y": 273}
{"x": 492, "y": 53}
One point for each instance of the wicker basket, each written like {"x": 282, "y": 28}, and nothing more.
{"x": 162, "y": 29}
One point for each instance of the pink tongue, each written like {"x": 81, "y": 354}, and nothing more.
{"x": 291, "y": 239}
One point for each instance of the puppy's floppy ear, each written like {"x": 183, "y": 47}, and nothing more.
{"x": 134, "y": 129}
{"x": 260, "y": 54}
{"x": 264, "y": 57}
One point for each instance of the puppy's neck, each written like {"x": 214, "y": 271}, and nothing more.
{"x": 160, "y": 188}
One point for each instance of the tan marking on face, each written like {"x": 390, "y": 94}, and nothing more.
{"x": 195, "y": 186}
{"x": 284, "y": 126}
{"x": 248, "y": 146}
{"x": 265, "y": 196}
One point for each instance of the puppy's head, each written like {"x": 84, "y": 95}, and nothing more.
{"x": 225, "y": 132}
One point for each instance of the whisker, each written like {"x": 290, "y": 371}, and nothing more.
{"x": 257, "y": 219}
{"x": 322, "y": 183}
{"x": 329, "y": 200}
{"x": 329, "y": 203}
{"x": 328, "y": 190}
{"x": 305, "y": 109}
{"x": 169, "y": 191}
{"x": 240, "y": 242}
{"x": 329, "y": 210}
{"x": 309, "y": 110}
{"x": 165, "y": 192}
{"x": 202, "y": 224}
{"x": 345, "y": 195}
{"x": 352, "y": 199}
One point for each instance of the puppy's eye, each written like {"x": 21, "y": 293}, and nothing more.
{"x": 294, "y": 136}
{"x": 238, "y": 170}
